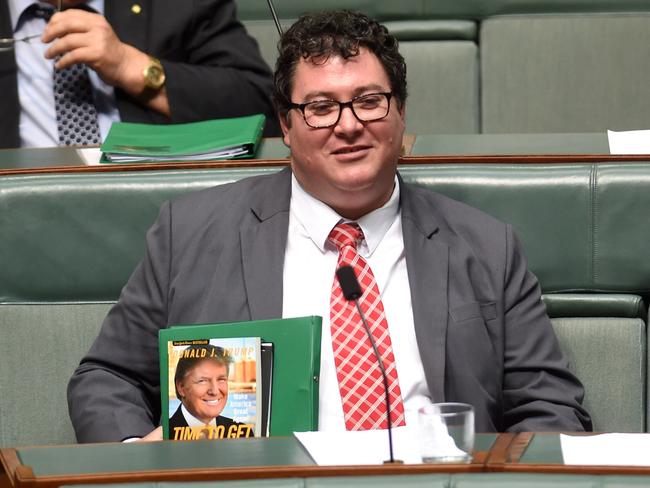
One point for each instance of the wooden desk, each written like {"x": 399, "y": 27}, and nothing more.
{"x": 542, "y": 453}
{"x": 422, "y": 149}
{"x": 275, "y": 457}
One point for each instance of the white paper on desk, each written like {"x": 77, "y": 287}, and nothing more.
{"x": 629, "y": 142}
{"x": 606, "y": 449}
{"x": 90, "y": 155}
{"x": 360, "y": 447}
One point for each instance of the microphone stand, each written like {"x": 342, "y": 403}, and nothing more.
{"x": 352, "y": 291}
{"x": 275, "y": 17}
{"x": 392, "y": 459}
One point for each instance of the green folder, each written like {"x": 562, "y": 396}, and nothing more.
{"x": 296, "y": 366}
{"x": 233, "y": 138}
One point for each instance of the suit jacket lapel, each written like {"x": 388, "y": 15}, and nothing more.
{"x": 263, "y": 245}
{"x": 427, "y": 262}
{"x": 9, "y": 104}
{"x": 130, "y": 26}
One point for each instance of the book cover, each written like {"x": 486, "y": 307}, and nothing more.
{"x": 295, "y": 366}
{"x": 213, "y": 388}
{"x": 233, "y": 138}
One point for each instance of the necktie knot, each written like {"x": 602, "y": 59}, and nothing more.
{"x": 343, "y": 235}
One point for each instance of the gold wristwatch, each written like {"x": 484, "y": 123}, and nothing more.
{"x": 154, "y": 74}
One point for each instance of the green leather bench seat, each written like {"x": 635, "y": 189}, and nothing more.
{"x": 579, "y": 223}
{"x": 70, "y": 241}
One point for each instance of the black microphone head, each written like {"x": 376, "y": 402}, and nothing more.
{"x": 349, "y": 283}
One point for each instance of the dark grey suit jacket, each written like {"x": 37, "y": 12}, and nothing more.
{"x": 213, "y": 67}
{"x": 217, "y": 256}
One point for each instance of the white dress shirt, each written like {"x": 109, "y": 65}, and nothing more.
{"x": 35, "y": 86}
{"x": 309, "y": 269}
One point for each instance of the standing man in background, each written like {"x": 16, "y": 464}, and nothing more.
{"x": 152, "y": 61}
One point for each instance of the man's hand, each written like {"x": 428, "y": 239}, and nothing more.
{"x": 154, "y": 435}
{"x": 79, "y": 36}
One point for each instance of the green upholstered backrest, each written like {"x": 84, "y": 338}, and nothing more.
{"x": 579, "y": 222}
{"x": 40, "y": 346}
{"x": 565, "y": 73}
{"x": 443, "y": 86}
{"x": 79, "y": 236}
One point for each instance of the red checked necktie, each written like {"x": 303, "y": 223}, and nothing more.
{"x": 360, "y": 381}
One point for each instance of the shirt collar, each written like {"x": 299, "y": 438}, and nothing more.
{"x": 318, "y": 219}
{"x": 17, "y": 7}
{"x": 192, "y": 421}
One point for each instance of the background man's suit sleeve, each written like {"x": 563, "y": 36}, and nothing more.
{"x": 214, "y": 68}
{"x": 114, "y": 394}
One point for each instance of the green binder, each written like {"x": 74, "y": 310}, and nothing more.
{"x": 232, "y": 138}
{"x": 296, "y": 368}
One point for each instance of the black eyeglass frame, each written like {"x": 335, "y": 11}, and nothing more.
{"x": 342, "y": 105}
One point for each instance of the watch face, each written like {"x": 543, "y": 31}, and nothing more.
{"x": 154, "y": 76}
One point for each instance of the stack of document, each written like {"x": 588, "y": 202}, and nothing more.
{"x": 233, "y": 138}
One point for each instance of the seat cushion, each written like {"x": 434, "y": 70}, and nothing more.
{"x": 609, "y": 357}
{"x": 41, "y": 345}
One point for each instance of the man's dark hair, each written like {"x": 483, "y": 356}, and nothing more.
{"x": 195, "y": 354}
{"x": 318, "y": 36}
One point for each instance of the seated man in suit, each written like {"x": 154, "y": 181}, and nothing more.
{"x": 153, "y": 62}
{"x": 446, "y": 289}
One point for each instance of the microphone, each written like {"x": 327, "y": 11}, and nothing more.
{"x": 352, "y": 292}
{"x": 275, "y": 17}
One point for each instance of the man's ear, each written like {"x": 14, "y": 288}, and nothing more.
{"x": 285, "y": 125}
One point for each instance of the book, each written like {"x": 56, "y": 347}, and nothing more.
{"x": 233, "y": 138}
{"x": 294, "y": 372}
{"x": 213, "y": 388}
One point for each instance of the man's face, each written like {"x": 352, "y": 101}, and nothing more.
{"x": 350, "y": 166}
{"x": 204, "y": 390}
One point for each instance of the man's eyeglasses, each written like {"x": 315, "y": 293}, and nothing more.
{"x": 8, "y": 43}
{"x": 321, "y": 114}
